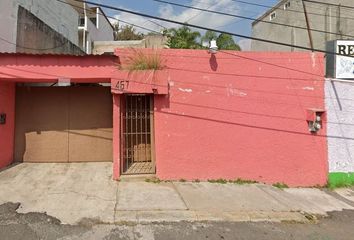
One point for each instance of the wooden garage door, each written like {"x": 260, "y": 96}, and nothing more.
{"x": 63, "y": 124}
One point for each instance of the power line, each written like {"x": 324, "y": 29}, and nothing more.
{"x": 330, "y": 4}
{"x": 289, "y": 10}
{"x": 198, "y": 14}
{"x": 131, "y": 24}
{"x": 210, "y": 29}
{"x": 59, "y": 46}
{"x": 249, "y": 18}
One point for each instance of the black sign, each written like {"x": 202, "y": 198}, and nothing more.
{"x": 347, "y": 50}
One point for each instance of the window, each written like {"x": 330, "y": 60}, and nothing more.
{"x": 81, "y": 22}
{"x": 273, "y": 15}
{"x": 286, "y": 5}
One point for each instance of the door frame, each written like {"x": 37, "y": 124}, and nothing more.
{"x": 121, "y": 133}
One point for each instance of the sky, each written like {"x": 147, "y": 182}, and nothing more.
{"x": 215, "y": 21}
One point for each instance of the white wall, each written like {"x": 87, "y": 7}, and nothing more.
{"x": 103, "y": 31}
{"x": 340, "y": 128}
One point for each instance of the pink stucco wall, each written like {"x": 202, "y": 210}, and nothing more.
{"x": 232, "y": 115}
{"x": 24, "y": 68}
{"x": 19, "y": 67}
{"x": 7, "y": 106}
{"x": 240, "y": 115}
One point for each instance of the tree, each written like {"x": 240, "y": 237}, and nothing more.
{"x": 183, "y": 38}
{"x": 208, "y": 36}
{"x": 126, "y": 33}
{"x": 226, "y": 42}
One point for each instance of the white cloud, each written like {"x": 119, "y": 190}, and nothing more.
{"x": 138, "y": 21}
{"x": 245, "y": 44}
{"x": 193, "y": 16}
{"x": 206, "y": 19}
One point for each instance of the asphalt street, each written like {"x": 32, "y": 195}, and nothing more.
{"x": 34, "y": 226}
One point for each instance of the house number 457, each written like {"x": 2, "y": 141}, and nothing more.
{"x": 121, "y": 85}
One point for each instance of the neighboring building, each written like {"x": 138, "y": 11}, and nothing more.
{"x": 335, "y": 19}
{"x": 340, "y": 130}
{"x": 150, "y": 41}
{"x": 203, "y": 117}
{"x": 50, "y": 26}
{"x": 38, "y": 26}
{"x": 339, "y": 93}
{"x": 93, "y": 25}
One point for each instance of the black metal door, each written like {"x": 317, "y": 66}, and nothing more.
{"x": 136, "y": 134}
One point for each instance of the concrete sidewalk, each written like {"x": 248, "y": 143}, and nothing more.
{"x": 84, "y": 193}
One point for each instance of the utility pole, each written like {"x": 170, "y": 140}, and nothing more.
{"x": 307, "y": 25}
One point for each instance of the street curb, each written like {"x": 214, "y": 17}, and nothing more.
{"x": 144, "y": 217}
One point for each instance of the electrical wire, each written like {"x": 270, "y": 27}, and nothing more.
{"x": 330, "y": 4}
{"x": 114, "y": 18}
{"x": 250, "y": 18}
{"x": 288, "y": 10}
{"x": 211, "y": 29}
{"x": 198, "y": 14}
{"x": 59, "y": 46}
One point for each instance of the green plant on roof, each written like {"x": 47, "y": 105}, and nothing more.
{"x": 139, "y": 61}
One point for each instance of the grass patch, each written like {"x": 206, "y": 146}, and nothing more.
{"x": 340, "y": 180}
{"x": 196, "y": 181}
{"x": 183, "y": 180}
{"x": 280, "y": 185}
{"x": 332, "y": 186}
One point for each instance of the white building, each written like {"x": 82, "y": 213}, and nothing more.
{"x": 93, "y": 25}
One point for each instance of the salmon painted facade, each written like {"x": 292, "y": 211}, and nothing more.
{"x": 230, "y": 115}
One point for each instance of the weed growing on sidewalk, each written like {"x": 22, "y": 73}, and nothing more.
{"x": 153, "y": 180}
{"x": 242, "y": 181}
{"x": 220, "y": 181}
{"x": 280, "y": 185}
{"x": 183, "y": 180}
{"x": 196, "y": 181}
{"x": 237, "y": 181}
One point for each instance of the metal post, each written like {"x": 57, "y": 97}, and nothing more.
{"x": 307, "y": 25}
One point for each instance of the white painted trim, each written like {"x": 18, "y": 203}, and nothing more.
{"x": 339, "y": 80}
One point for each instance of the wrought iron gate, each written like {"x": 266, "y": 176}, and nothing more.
{"x": 136, "y": 134}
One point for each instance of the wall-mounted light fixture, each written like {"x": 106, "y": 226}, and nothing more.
{"x": 315, "y": 119}
{"x": 213, "y": 47}
{"x": 2, "y": 118}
